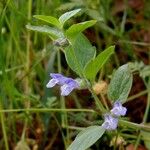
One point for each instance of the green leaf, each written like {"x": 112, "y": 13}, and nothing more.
{"x": 49, "y": 19}
{"x": 96, "y": 64}
{"x": 79, "y": 54}
{"x": 52, "y": 32}
{"x": 66, "y": 16}
{"x": 120, "y": 84}
{"x": 95, "y": 14}
{"x": 22, "y": 145}
{"x": 77, "y": 28}
{"x": 72, "y": 60}
{"x": 87, "y": 138}
{"x": 146, "y": 138}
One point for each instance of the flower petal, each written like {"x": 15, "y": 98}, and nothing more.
{"x": 118, "y": 109}
{"x": 110, "y": 122}
{"x": 52, "y": 83}
{"x": 72, "y": 83}
{"x": 56, "y": 75}
{"x": 65, "y": 90}
{"x": 62, "y": 80}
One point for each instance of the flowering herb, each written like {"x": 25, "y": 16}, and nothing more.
{"x": 67, "y": 84}
{"x": 82, "y": 59}
{"x": 110, "y": 122}
{"x": 118, "y": 110}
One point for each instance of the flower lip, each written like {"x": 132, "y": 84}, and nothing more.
{"x": 52, "y": 83}
{"x": 56, "y": 75}
{"x": 61, "y": 79}
{"x": 110, "y": 122}
{"x": 118, "y": 110}
{"x": 65, "y": 90}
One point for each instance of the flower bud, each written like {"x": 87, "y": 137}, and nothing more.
{"x": 100, "y": 87}
{"x": 61, "y": 42}
{"x": 118, "y": 141}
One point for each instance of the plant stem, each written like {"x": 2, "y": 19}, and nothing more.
{"x": 116, "y": 138}
{"x": 75, "y": 128}
{"x": 3, "y": 13}
{"x": 147, "y": 108}
{"x": 137, "y": 95}
{"x": 3, "y": 128}
{"x": 76, "y": 100}
{"x": 134, "y": 43}
{"x": 60, "y": 128}
{"x": 28, "y": 36}
{"x": 104, "y": 101}
{"x": 27, "y": 90}
{"x": 134, "y": 125}
{"x": 46, "y": 110}
{"x": 97, "y": 101}
{"x": 122, "y": 27}
{"x": 62, "y": 100}
{"x": 137, "y": 141}
{"x": 99, "y": 104}
{"x": 144, "y": 119}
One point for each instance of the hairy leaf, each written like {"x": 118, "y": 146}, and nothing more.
{"x": 66, "y": 16}
{"x": 87, "y": 138}
{"x": 77, "y": 28}
{"x": 49, "y": 19}
{"x": 79, "y": 54}
{"x": 120, "y": 84}
{"x": 52, "y": 32}
{"x": 96, "y": 64}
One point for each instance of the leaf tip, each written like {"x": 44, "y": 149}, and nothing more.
{"x": 78, "y": 10}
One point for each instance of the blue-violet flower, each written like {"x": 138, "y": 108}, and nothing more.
{"x": 110, "y": 122}
{"x": 118, "y": 110}
{"x": 67, "y": 84}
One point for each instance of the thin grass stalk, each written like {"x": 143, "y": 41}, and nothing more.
{"x": 3, "y": 127}
{"x": 27, "y": 89}
{"x": 62, "y": 102}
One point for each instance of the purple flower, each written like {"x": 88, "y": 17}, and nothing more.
{"x": 67, "y": 84}
{"x": 110, "y": 122}
{"x": 118, "y": 109}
